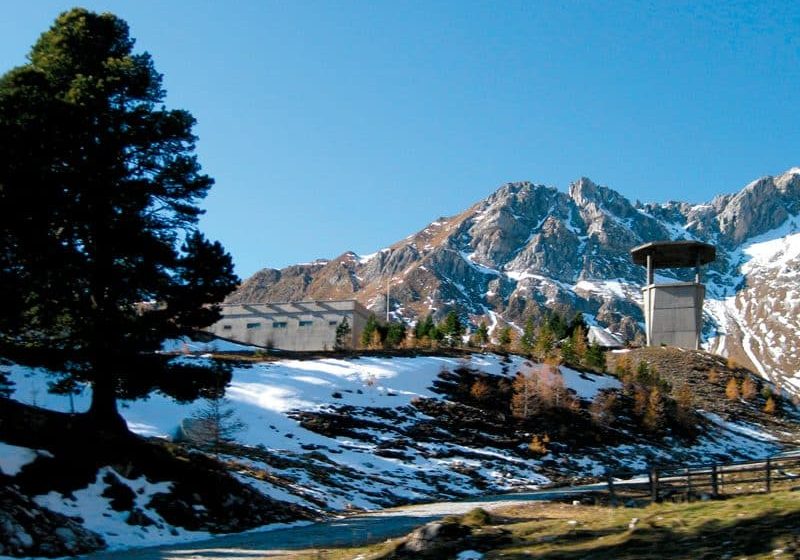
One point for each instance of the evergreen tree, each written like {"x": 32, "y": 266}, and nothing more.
{"x": 395, "y": 334}
{"x": 425, "y": 328}
{"x": 545, "y": 341}
{"x": 568, "y": 352}
{"x": 343, "y": 332}
{"x": 557, "y": 326}
{"x": 99, "y": 193}
{"x": 577, "y": 322}
{"x": 451, "y": 328}
{"x": 370, "y": 328}
{"x": 505, "y": 338}
{"x": 528, "y": 338}
{"x": 595, "y": 357}
{"x": 482, "y": 334}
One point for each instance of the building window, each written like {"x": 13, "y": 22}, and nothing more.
{"x": 332, "y": 323}
{"x": 306, "y": 323}
{"x": 227, "y": 327}
{"x": 279, "y": 325}
{"x": 253, "y": 325}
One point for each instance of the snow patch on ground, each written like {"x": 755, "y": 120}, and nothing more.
{"x": 100, "y": 517}
{"x": 185, "y": 344}
{"x": 13, "y": 458}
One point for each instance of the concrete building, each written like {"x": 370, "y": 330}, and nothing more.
{"x": 673, "y": 311}
{"x": 297, "y": 325}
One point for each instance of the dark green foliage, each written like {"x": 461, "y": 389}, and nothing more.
{"x": 545, "y": 341}
{"x": 647, "y": 376}
{"x": 395, "y": 334}
{"x": 343, "y": 331}
{"x": 99, "y": 193}
{"x": 378, "y": 334}
{"x": 595, "y": 357}
{"x": 557, "y": 325}
{"x": 505, "y": 337}
{"x": 577, "y": 321}
{"x": 426, "y": 328}
{"x": 451, "y": 329}
{"x": 482, "y": 334}
{"x": 370, "y": 328}
{"x": 568, "y": 352}
{"x": 528, "y": 338}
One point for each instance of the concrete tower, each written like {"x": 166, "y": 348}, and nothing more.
{"x": 673, "y": 312}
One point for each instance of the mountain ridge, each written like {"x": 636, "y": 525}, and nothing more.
{"x": 529, "y": 247}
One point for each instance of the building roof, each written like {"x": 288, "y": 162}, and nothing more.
{"x": 674, "y": 254}
{"x": 604, "y": 338}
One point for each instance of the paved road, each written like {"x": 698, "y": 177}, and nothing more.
{"x": 350, "y": 531}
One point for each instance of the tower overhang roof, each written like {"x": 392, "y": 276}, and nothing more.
{"x": 674, "y": 254}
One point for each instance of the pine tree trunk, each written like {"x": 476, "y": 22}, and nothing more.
{"x": 103, "y": 412}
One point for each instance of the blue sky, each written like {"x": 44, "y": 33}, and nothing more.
{"x": 334, "y": 126}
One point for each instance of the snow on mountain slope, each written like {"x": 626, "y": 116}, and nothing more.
{"x": 763, "y": 312}
{"x": 335, "y": 434}
{"x": 530, "y": 248}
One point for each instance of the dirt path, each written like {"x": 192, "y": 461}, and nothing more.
{"x": 350, "y": 531}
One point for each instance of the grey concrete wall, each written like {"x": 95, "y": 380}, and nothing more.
{"x": 673, "y": 314}
{"x": 299, "y": 326}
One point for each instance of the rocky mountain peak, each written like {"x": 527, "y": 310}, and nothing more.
{"x": 760, "y": 207}
{"x": 529, "y": 248}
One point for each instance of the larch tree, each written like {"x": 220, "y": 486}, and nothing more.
{"x": 749, "y": 388}
{"x": 100, "y": 257}
{"x": 214, "y": 425}
{"x": 732, "y": 389}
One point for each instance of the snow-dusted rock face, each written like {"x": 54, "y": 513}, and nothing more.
{"x": 529, "y": 247}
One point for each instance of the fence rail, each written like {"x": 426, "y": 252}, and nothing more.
{"x": 712, "y": 480}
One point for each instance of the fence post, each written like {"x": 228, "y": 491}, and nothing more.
{"x": 654, "y": 483}
{"x": 714, "y": 487}
{"x": 612, "y": 498}
{"x": 769, "y": 475}
{"x": 688, "y": 485}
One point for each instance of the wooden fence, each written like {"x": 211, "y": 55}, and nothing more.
{"x": 711, "y": 480}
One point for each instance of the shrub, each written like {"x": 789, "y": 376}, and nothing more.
{"x": 477, "y": 517}
{"x": 732, "y": 389}
{"x": 481, "y": 390}
{"x": 538, "y": 445}
{"x": 749, "y": 389}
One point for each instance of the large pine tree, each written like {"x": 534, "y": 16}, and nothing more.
{"x": 100, "y": 258}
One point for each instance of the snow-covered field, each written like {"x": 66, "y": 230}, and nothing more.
{"x": 345, "y": 472}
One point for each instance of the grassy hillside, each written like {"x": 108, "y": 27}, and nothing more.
{"x": 755, "y": 527}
